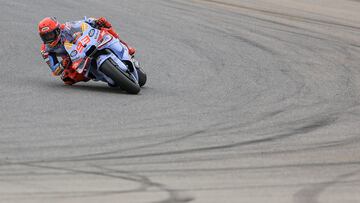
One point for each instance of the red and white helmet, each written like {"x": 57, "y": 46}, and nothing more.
{"x": 49, "y": 30}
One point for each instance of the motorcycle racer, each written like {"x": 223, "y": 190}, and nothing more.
{"x": 54, "y": 35}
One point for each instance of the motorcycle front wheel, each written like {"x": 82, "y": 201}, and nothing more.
{"x": 121, "y": 79}
{"x": 142, "y": 76}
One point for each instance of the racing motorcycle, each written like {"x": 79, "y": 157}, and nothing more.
{"x": 93, "y": 55}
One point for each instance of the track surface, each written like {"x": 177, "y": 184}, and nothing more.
{"x": 247, "y": 101}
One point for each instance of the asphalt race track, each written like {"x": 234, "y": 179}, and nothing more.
{"x": 247, "y": 101}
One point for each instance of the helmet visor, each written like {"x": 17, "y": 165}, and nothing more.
{"x": 50, "y": 37}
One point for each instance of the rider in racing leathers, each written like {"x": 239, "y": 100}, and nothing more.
{"x": 54, "y": 34}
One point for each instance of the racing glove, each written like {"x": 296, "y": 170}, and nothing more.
{"x": 102, "y": 22}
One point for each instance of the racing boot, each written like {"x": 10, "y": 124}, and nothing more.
{"x": 113, "y": 33}
{"x": 132, "y": 50}
{"x": 69, "y": 75}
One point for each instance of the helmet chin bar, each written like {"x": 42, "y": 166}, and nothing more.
{"x": 56, "y": 42}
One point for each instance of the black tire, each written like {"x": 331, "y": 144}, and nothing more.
{"x": 120, "y": 79}
{"x": 142, "y": 76}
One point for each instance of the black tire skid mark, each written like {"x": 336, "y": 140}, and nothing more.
{"x": 287, "y": 16}
{"x": 145, "y": 184}
{"x": 298, "y": 131}
{"x": 311, "y": 193}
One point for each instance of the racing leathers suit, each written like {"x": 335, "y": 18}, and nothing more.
{"x": 69, "y": 32}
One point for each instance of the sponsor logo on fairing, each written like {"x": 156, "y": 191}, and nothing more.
{"x": 91, "y": 32}
{"x": 73, "y": 53}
